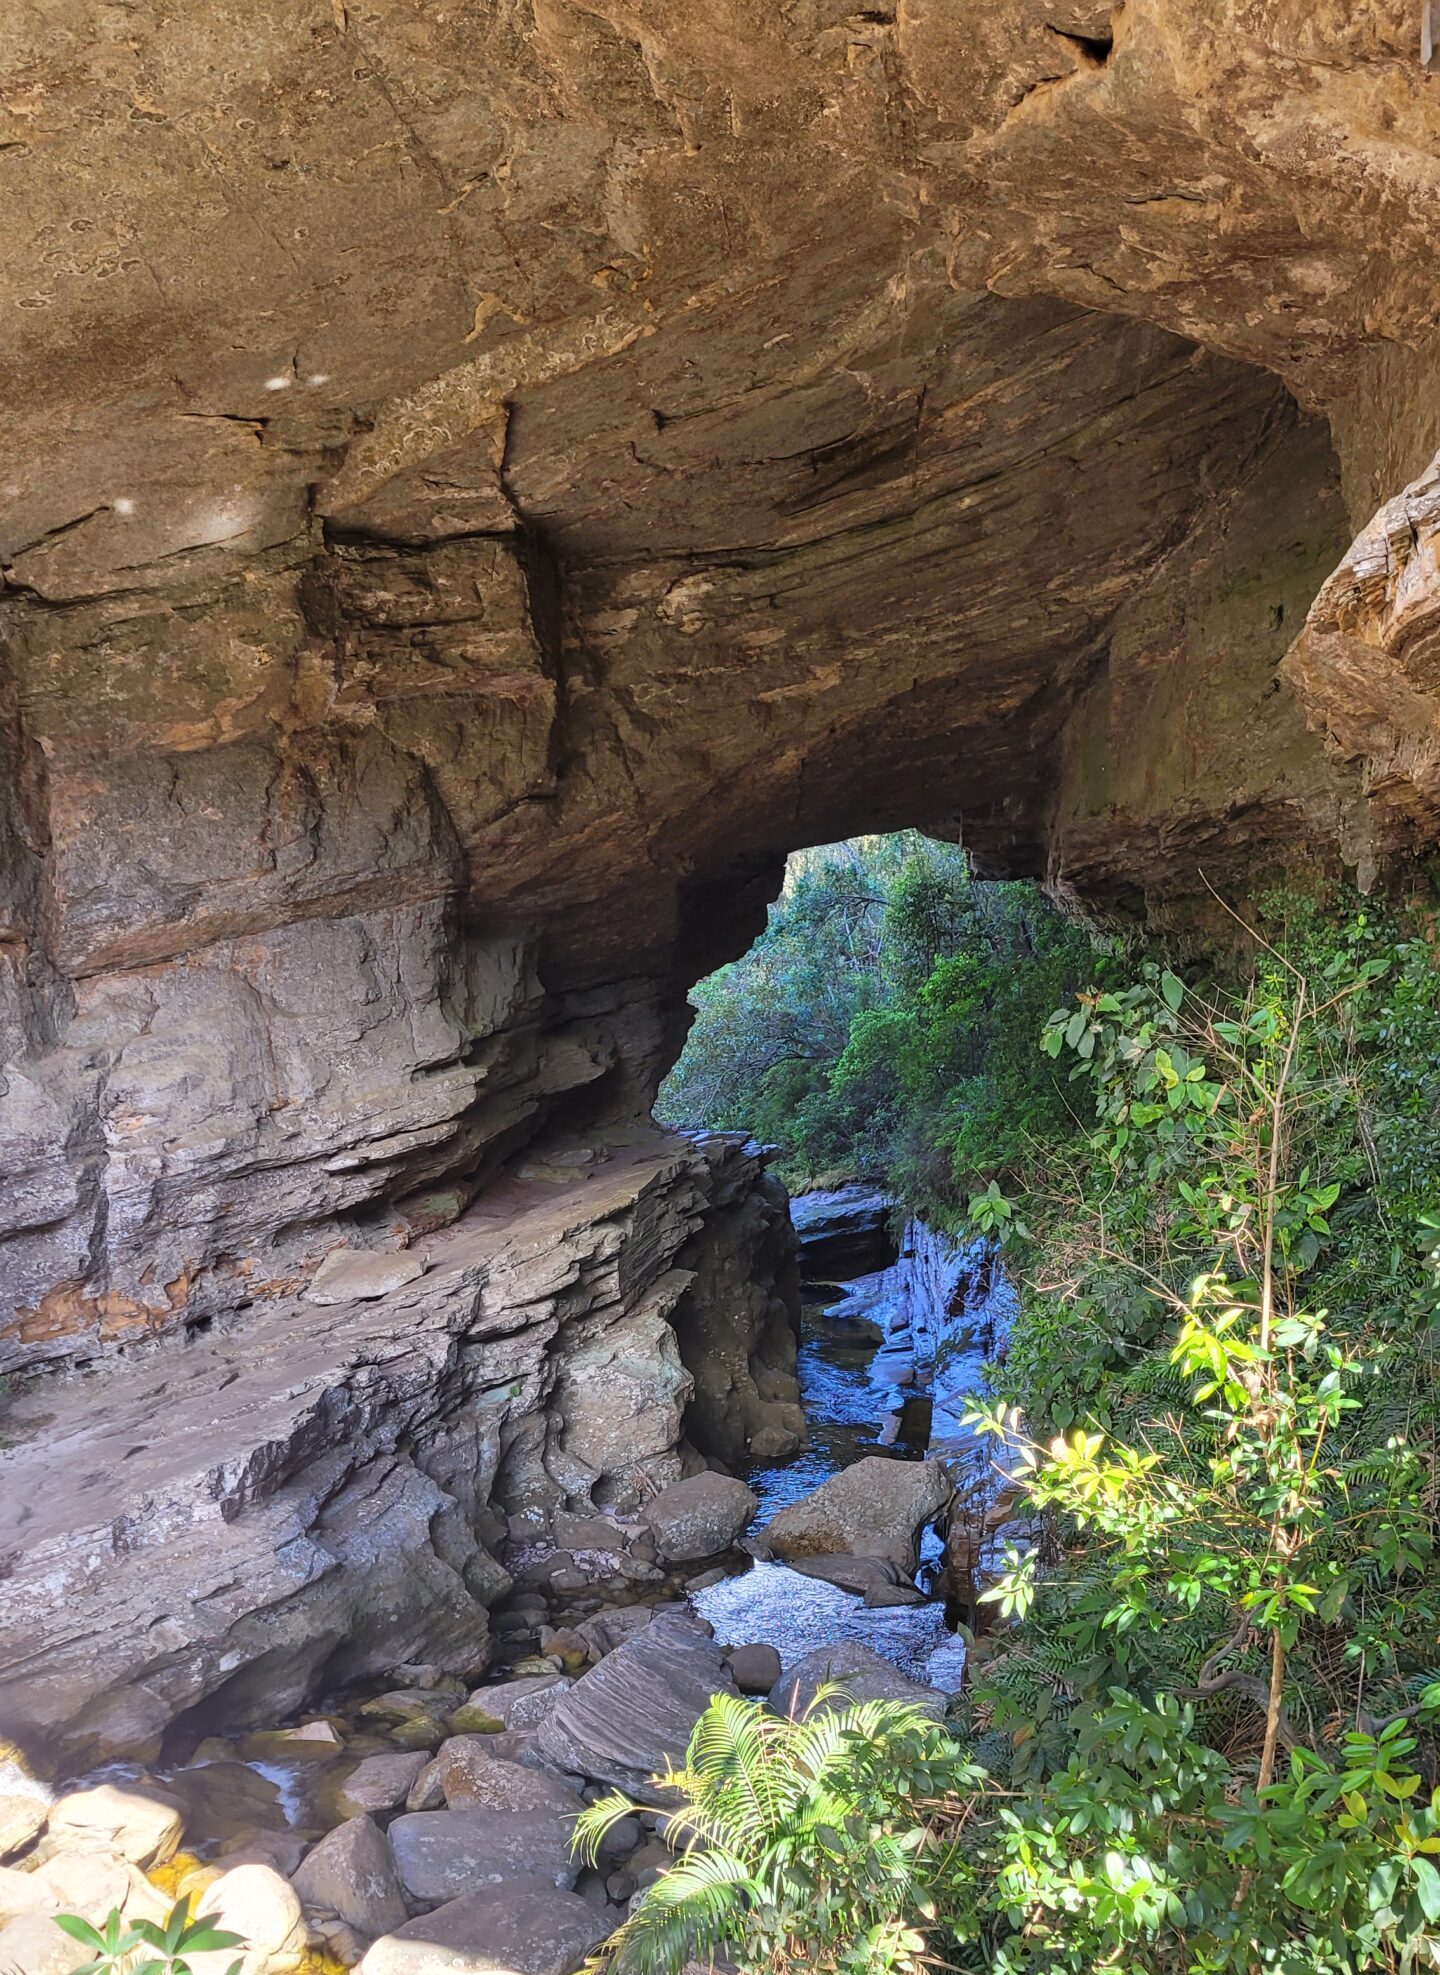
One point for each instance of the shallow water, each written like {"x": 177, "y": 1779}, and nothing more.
{"x": 795, "y": 1614}
{"x": 893, "y": 1380}
{"x": 854, "y": 1408}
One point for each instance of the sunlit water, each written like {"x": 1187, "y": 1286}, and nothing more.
{"x": 894, "y": 1383}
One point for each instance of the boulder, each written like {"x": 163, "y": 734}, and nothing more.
{"x": 21, "y": 1817}
{"x": 379, "y": 1783}
{"x": 281, "y": 1849}
{"x": 843, "y": 1233}
{"x": 427, "y": 1792}
{"x": 699, "y": 1518}
{"x": 441, "y": 1854}
{"x": 755, "y": 1669}
{"x": 34, "y": 1945}
{"x": 609, "y": 1629}
{"x": 254, "y": 1902}
{"x": 351, "y": 1872}
{"x": 876, "y": 1508}
{"x": 632, "y": 1715}
{"x": 221, "y": 1800}
{"x": 864, "y": 1675}
{"x": 477, "y": 1780}
{"x": 95, "y": 1883}
{"x": 23, "y": 1892}
{"x": 521, "y": 1932}
{"x": 130, "y": 1819}
{"x": 521, "y": 1703}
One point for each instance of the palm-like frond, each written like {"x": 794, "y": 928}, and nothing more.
{"x": 696, "y": 1909}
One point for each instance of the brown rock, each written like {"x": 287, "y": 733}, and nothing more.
{"x": 351, "y": 1873}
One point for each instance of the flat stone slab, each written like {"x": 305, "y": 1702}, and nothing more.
{"x": 864, "y": 1675}
{"x": 515, "y": 1933}
{"x": 354, "y": 1275}
{"x": 441, "y": 1854}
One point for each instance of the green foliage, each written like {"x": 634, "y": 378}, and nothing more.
{"x": 1220, "y": 1704}
{"x": 826, "y": 1843}
{"x": 141, "y": 1947}
{"x": 1210, "y": 1708}
{"x": 884, "y": 1022}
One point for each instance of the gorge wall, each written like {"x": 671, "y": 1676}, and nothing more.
{"x": 482, "y": 483}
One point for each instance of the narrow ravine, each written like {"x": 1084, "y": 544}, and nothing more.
{"x": 890, "y": 1355}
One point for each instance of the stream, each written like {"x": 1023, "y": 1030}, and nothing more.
{"x": 888, "y": 1362}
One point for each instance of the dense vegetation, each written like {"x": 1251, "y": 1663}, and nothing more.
{"x": 884, "y": 1023}
{"x": 1206, "y": 1722}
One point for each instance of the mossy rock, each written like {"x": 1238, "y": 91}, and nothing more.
{"x": 471, "y": 1720}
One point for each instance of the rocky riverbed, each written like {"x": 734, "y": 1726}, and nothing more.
{"x": 425, "y": 1819}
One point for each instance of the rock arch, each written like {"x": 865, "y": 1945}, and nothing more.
{"x": 482, "y": 488}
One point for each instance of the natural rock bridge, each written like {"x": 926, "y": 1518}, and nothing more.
{"x": 481, "y": 484}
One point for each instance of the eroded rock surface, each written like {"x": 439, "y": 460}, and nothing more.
{"x": 324, "y": 1490}
{"x": 481, "y": 485}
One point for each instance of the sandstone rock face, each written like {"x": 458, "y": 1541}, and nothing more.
{"x": 319, "y": 1488}
{"x": 844, "y": 1233}
{"x": 876, "y": 1508}
{"x": 452, "y": 546}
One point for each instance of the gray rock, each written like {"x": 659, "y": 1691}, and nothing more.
{"x": 441, "y": 1854}
{"x": 633, "y": 1714}
{"x": 427, "y": 1792}
{"x": 882, "y": 1597}
{"x": 876, "y": 1508}
{"x": 519, "y": 1932}
{"x": 128, "y": 1819}
{"x": 755, "y": 1669}
{"x": 351, "y": 1872}
{"x": 860, "y": 1575}
{"x": 864, "y": 1676}
{"x": 699, "y": 1517}
{"x": 379, "y": 1783}
{"x": 475, "y": 1780}
{"x": 609, "y": 1629}
{"x": 521, "y": 1703}
{"x": 353, "y": 1275}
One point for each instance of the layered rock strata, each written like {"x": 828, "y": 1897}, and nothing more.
{"x": 481, "y": 485}
{"x": 325, "y": 1491}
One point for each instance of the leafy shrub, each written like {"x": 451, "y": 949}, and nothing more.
{"x": 827, "y": 1843}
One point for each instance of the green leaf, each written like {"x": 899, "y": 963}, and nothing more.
{"x": 1427, "y": 1887}
{"x": 1173, "y": 989}
{"x": 79, "y": 1930}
